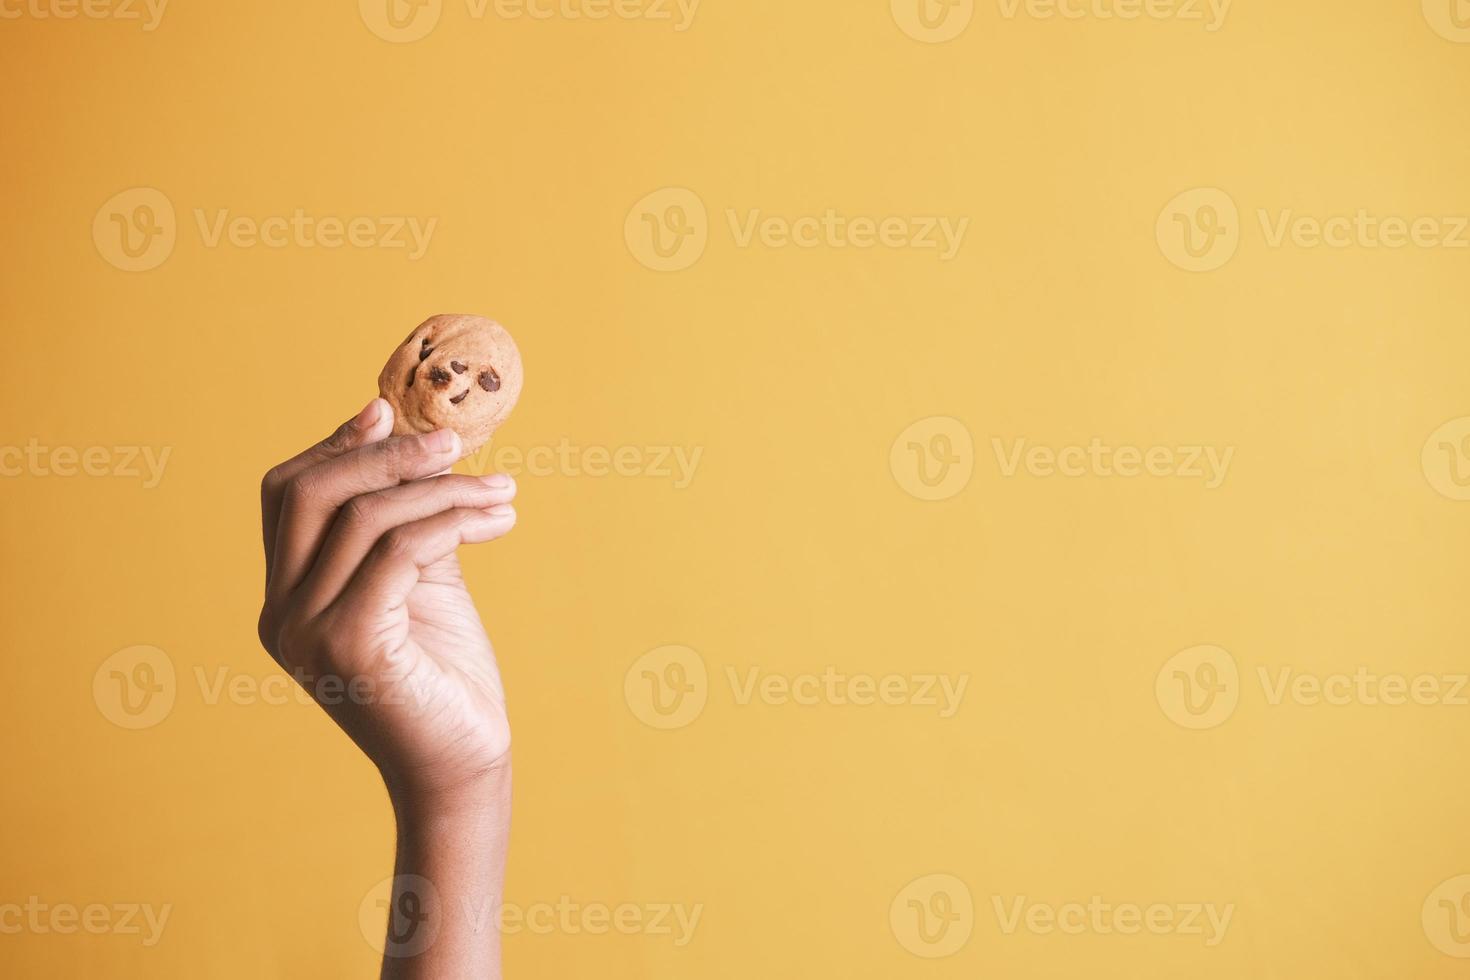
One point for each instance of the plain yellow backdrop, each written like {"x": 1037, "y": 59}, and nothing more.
{"x": 1334, "y": 832}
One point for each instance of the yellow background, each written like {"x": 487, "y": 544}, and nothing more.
{"x": 796, "y": 546}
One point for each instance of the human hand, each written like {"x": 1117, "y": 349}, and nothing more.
{"x": 365, "y": 604}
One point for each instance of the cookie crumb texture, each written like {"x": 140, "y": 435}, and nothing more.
{"x": 455, "y": 371}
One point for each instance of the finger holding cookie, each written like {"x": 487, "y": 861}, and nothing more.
{"x": 366, "y": 519}
{"x": 313, "y": 496}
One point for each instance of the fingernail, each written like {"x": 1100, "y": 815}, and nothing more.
{"x": 498, "y": 481}
{"x": 442, "y": 441}
{"x": 501, "y": 510}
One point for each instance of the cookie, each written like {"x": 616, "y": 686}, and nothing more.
{"x": 455, "y": 371}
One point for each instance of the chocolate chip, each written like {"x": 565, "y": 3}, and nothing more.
{"x": 489, "y": 380}
{"x": 427, "y": 350}
{"x": 439, "y": 376}
{"x": 458, "y": 367}
{"x": 411, "y": 372}
{"x": 460, "y": 397}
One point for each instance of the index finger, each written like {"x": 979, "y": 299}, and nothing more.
{"x": 314, "y": 495}
{"x": 370, "y": 425}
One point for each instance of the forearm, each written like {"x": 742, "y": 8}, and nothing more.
{"x": 448, "y": 882}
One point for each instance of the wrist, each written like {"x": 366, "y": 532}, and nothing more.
{"x": 451, "y": 847}
{"x": 482, "y": 797}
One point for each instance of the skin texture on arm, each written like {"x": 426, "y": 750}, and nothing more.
{"x": 448, "y": 882}
{"x": 364, "y": 597}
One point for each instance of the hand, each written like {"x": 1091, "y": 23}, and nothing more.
{"x": 365, "y": 604}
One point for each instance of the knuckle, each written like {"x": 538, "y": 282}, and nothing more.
{"x": 302, "y": 488}
{"x": 341, "y": 439}
{"x": 444, "y": 492}
{"x": 265, "y": 628}
{"x": 397, "y": 543}
{"x": 273, "y": 481}
{"x": 405, "y": 455}
{"x": 296, "y": 637}
{"x": 361, "y": 512}
{"x": 469, "y": 489}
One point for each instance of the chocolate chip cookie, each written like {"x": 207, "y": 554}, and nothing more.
{"x": 455, "y": 371}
